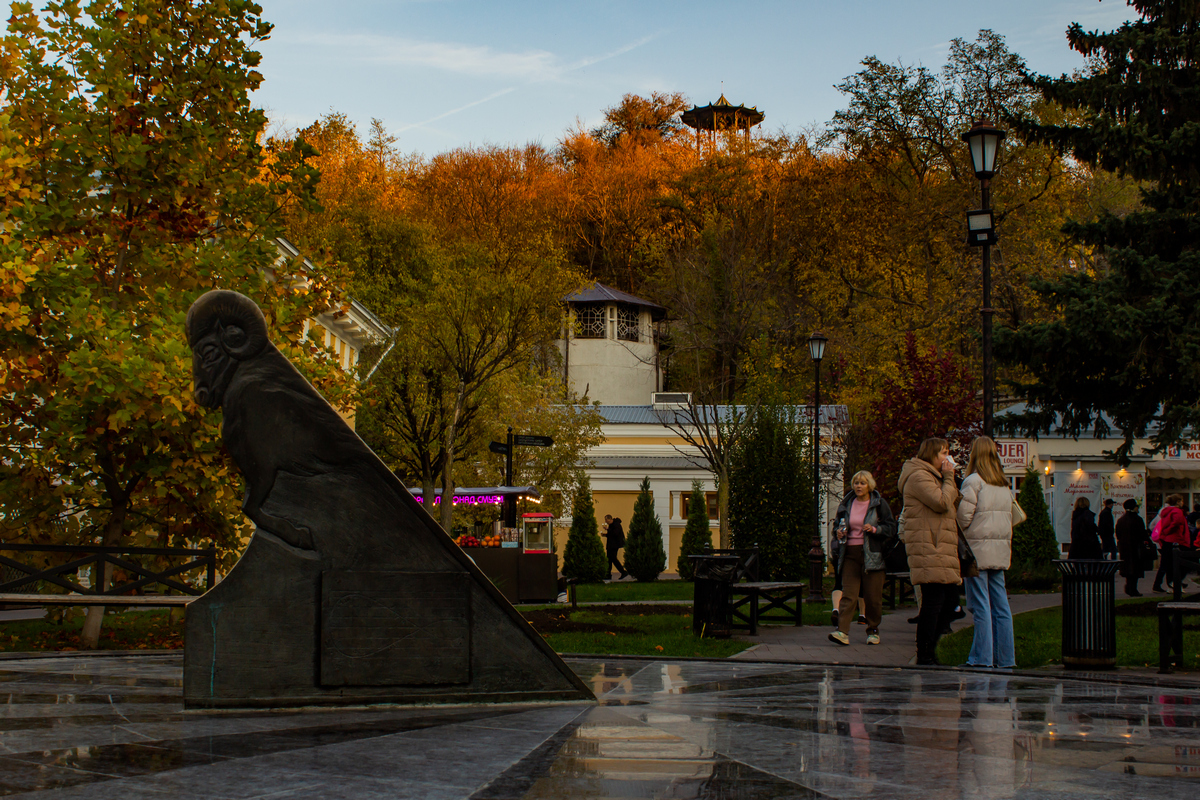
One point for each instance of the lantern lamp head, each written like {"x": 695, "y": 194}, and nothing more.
{"x": 816, "y": 345}
{"x": 984, "y": 142}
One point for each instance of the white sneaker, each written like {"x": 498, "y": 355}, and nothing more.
{"x": 837, "y": 637}
{"x": 872, "y": 638}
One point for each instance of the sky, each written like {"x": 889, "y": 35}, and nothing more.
{"x": 443, "y": 74}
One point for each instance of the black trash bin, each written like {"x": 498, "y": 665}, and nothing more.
{"x": 711, "y": 612}
{"x": 1089, "y": 613}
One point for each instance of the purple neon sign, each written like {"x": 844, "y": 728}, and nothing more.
{"x": 472, "y": 500}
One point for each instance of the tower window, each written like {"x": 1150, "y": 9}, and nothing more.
{"x": 590, "y": 322}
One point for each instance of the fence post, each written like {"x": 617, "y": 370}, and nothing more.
{"x": 211, "y": 556}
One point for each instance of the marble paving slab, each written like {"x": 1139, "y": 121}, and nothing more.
{"x": 85, "y": 727}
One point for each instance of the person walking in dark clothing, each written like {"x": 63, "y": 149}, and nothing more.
{"x": 1132, "y": 538}
{"x": 614, "y": 538}
{"x": 1085, "y": 537}
{"x": 1108, "y": 545}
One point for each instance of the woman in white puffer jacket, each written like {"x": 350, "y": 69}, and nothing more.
{"x": 985, "y": 517}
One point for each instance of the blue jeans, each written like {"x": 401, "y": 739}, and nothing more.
{"x": 987, "y": 600}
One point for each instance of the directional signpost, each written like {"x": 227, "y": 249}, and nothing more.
{"x": 506, "y": 450}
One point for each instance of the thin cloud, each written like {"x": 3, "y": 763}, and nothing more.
{"x": 453, "y": 111}
{"x": 529, "y": 66}
{"x": 446, "y": 56}
{"x": 552, "y": 72}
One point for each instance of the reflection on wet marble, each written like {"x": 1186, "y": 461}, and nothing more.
{"x": 114, "y": 727}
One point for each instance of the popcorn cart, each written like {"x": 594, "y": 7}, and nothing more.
{"x": 538, "y": 578}
{"x": 538, "y": 529}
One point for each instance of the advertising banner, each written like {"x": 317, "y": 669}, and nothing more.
{"x": 1121, "y": 487}
{"x": 1095, "y": 486}
{"x": 1069, "y": 487}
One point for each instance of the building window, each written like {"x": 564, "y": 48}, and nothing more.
{"x": 627, "y": 324}
{"x": 590, "y": 322}
{"x": 711, "y": 500}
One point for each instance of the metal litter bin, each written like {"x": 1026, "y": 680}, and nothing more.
{"x": 712, "y": 614}
{"x": 1089, "y": 613}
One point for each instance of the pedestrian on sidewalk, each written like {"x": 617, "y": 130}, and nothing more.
{"x": 1105, "y": 526}
{"x": 614, "y": 540}
{"x": 1085, "y": 536}
{"x": 931, "y": 538}
{"x": 865, "y": 529}
{"x": 1173, "y": 533}
{"x": 1132, "y": 541}
{"x": 985, "y": 515}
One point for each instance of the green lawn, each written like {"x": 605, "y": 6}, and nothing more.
{"x": 613, "y": 631}
{"x": 124, "y": 630}
{"x": 1039, "y": 638}
{"x": 632, "y": 591}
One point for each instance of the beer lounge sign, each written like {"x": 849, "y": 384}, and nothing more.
{"x": 1014, "y": 453}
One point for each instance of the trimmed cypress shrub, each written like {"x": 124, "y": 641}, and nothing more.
{"x": 1034, "y": 540}
{"x": 696, "y": 536}
{"x": 644, "y": 556}
{"x": 1034, "y": 545}
{"x": 584, "y": 557}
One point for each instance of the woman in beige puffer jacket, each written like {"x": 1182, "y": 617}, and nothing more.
{"x": 931, "y": 540}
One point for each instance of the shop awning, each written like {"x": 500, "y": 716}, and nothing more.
{"x": 1174, "y": 469}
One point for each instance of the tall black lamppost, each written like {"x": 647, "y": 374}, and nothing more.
{"x": 984, "y": 141}
{"x": 816, "y": 555}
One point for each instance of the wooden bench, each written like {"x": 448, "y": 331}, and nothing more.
{"x": 752, "y": 601}
{"x": 759, "y": 599}
{"x": 1170, "y": 633}
{"x": 897, "y": 588}
{"x": 1171, "y": 612}
{"x": 144, "y": 600}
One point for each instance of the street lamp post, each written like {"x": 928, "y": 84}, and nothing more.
{"x": 984, "y": 142}
{"x": 816, "y": 555}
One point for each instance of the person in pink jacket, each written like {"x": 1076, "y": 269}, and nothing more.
{"x": 1173, "y": 533}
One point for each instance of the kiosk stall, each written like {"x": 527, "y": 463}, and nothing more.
{"x": 520, "y": 561}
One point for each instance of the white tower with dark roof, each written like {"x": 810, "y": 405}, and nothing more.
{"x": 609, "y": 349}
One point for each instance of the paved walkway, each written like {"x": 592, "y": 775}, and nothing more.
{"x": 810, "y": 644}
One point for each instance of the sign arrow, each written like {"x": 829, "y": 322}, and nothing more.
{"x": 498, "y": 447}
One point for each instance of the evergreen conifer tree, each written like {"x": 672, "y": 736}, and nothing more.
{"x": 1034, "y": 544}
{"x": 696, "y": 536}
{"x": 771, "y": 494}
{"x": 584, "y": 558}
{"x": 644, "y": 556}
{"x": 1122, "y": 340}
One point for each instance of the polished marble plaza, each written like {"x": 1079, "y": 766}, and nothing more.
{"x": 114, "y": 727}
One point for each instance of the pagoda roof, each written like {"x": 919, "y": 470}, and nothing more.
{"x": 599, "y": 293}
{"x": 721, "y": 115}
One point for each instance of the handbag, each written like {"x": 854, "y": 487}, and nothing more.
{"x": 967, "y": 565}
{"x": 1148, "y": 555}
{"x": 1018, "y": 513}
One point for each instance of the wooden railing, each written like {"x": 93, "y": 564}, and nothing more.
{"x": 16, "y": 574}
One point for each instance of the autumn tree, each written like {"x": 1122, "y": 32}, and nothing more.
{"x": 140, "y": 183}
{"x": 638, "y": 120}
{"x": 932, "y": 394}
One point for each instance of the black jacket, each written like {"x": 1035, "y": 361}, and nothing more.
{"x": 615, "y": 537}
{"x": 1105, "y": 524}
{"x": 1085, "y": 537}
